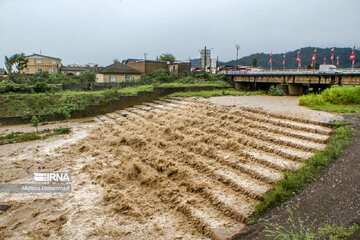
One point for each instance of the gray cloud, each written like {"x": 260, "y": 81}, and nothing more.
{"x": 97, "y": 31}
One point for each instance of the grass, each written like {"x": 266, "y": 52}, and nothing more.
{"x": 335, "y": 232}
{"x": 294, "y": 182}
{"x": 296, "y": 229}
{"x": 202, "y": 84}
{"x": 24, "y": 137}
{"x": 214, "y": 93}
{"x": 337, "y": 108}
{"x": 293, "y": 230}
{"x": 334, "y": 99}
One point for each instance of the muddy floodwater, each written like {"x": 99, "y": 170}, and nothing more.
{"x": 176, "y": 168}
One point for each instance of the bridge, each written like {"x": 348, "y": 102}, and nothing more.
{"x": 294, "y": 82}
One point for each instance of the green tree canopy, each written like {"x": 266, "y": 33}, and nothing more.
{"x": 87, "y": 76}
{"x": 254, "y": 62}
{"x": 168, "y": 57}
{"x": 18, "y": 60}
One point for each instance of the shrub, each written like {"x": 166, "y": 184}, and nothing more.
{"x": 205, "y": 75}
{"x": 39, "y": 77}
{"x": 87, "y": 76}
{"x": 342, "y": 95}
{"x": 19, "y": 78}
{"x": 276, "y": 91}
{"x": 8, "y": 86}
{"x": 41, "y": 87}
{"x": 334, "y": 95}
{"x": 159, "y": 75}
{"x": 57, "y": 78}
{"x": 34, "y": 122}
{"x": 186, "y": 80}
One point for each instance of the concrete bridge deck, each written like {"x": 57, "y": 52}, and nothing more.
{"x": 297, "y": 81}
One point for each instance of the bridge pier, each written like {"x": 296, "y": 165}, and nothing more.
{"x": 244, "y": 86}
{"x": 295, "y": 89}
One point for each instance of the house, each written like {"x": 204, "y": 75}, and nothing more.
{"x": 230, "y": 68}
{"x": 147, "y": 66}
{"x": 130, "y": 60}
{"x": 76, "y": 70}
{"x": 118, "y": 72}
{"x": 40, "y": 63}
{"x": 180, "y": 68}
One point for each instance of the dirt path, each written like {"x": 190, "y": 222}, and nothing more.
{"x": 333, "y": 198}
{"x": 173, "y": 168}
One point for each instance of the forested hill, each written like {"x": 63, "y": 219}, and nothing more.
{"x": 305, "y": 55}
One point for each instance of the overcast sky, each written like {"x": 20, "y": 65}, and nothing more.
{"x": 98, "y": 31}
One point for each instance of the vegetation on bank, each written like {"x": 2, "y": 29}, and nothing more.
{"x": 24, "y": 137}
{"x": 65, "y": 102}
{"x": 294, "y": 182}
{"x": 276, "y": 90}
{"x": 335, "y": 99}
{"x": 216, "y": 93}
{"x": 296, "y": 229}
{"x": 45, "y": 82}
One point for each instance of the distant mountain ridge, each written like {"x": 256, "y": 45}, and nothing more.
{"x": 290, "y": 61}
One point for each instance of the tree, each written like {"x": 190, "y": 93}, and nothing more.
{"x": 87, "y": 76}
{"x": 116, "y": 60}
{"x": 254, "y": 62}
{"x": 35, "y": 122}
{"x": 2, "y": 71}
{"x": 39, "y": 77}
{"x": 58, "y": 77}
{"x": 167, "y": 57}
{"x": 17, "y": 60}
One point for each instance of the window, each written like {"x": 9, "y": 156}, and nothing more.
{"x": 39, "y": 69}
{"x": 39, "y": 61}
{"x": 112, "y": 78}
{"x": 52, "y": 69}
{"x": 27, "y": 69}
{"x": 53, "y": 62}
{"x": 128, "y": 78}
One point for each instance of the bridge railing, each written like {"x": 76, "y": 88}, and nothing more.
{"x": 290, "y": 72}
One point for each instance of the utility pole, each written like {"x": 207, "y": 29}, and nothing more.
{"x": 217, "y": 64}
{"x": 145, "y": 56}
{"x": 205, "y": 60}
{"x": 237, "y": 47}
